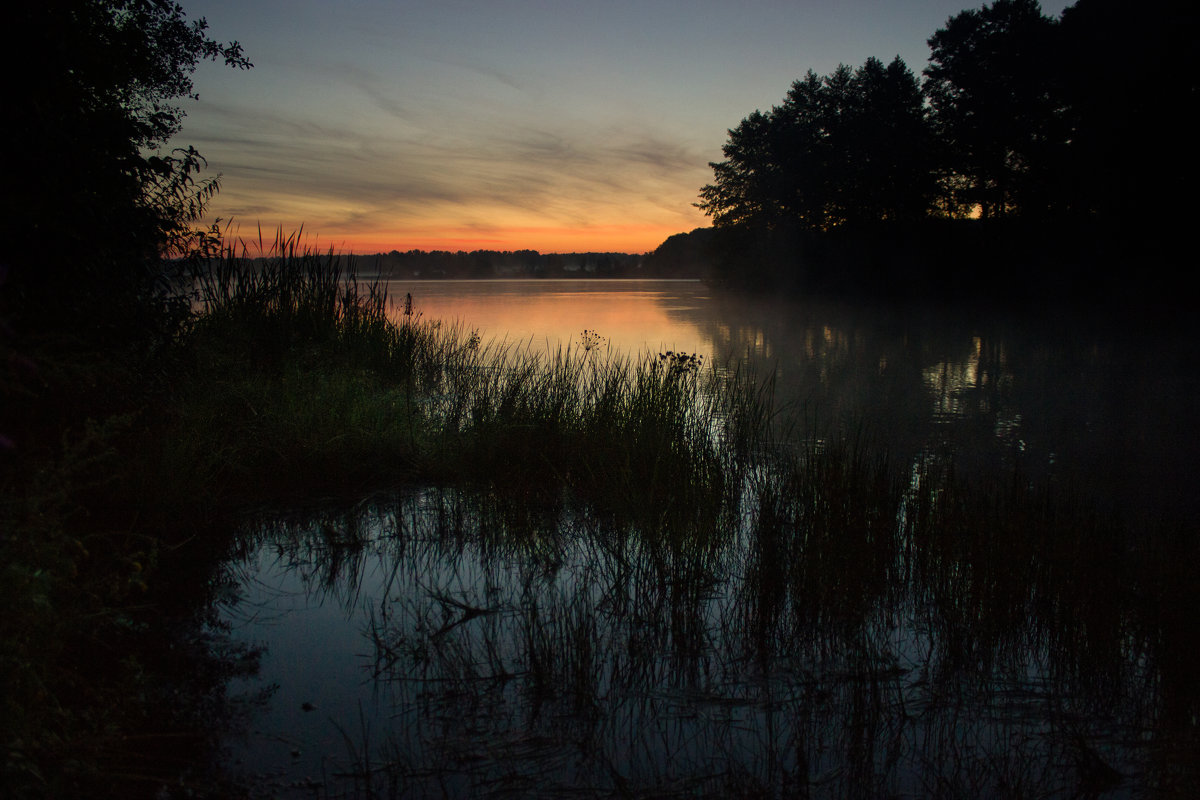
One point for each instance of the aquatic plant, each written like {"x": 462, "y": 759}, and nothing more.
{"x": 669, "y": 583}
{"x": 304, "y": 378}
{"x": 564, "y": 651}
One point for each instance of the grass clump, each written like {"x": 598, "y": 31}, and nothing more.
{"x": 300, "y": 380}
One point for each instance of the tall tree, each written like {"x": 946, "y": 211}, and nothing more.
{"x": 989, "y": 83}
{"x": 90, "y": 200}
{"x": 888, "y": 148}
{"x": 749, "y": 186}
{"x": 852, "y": 146}
{"x": 1132, "y": 93}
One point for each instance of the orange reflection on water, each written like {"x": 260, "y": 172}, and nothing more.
{"x": 632, "y": 316}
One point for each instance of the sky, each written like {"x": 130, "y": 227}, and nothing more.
{"x": 551, "y": 125}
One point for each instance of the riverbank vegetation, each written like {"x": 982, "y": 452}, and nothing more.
{"x": 1012, "y": 155}
{"x": 287, "y": 379}
{"x": 291, "y": 381}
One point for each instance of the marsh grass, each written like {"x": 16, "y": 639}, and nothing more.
{"x": 634, "y": 576}
{"x": 301, "y": 381}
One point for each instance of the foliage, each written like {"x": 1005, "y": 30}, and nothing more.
{"x": 106, "y": 692}
{"x": 93, "y": 199}
{"x": 994, "y": 106}
{"x": 850, "y": 146}
{"x": 1131, "y": 90}
{"x": 1040, "y": 127}
{"x": 93, "y": 203}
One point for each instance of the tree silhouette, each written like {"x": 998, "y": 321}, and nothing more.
{"x": 884, "y": 169}
{"x": 852, "y": 146}
{"x": 1070, "y": 138}
{"x": 90, "y": 203}
{"x": 1132, "y": 158}
{"x": 748, "y": 189}
{"x": 989, "y": 83}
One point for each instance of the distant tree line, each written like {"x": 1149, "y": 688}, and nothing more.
{"x": 436, "y": 264}
{"x": 1061, "y": 144}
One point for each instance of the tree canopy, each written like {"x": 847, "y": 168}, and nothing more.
{"x": 997, "y": 118}
{"x": 850, "y": 146}
{"x": 1077, "y": 126}
{"x": 91, "y": 200}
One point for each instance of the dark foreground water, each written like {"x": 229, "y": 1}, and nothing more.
{"x": 437, "y": 643}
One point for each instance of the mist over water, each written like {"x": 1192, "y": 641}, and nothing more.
{"x": 1110, "y": 408}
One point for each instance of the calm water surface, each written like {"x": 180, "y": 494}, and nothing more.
{"x": 633, "y": 316}
{"x": 1111, "y": 407}
{"x": 426, "y": 644}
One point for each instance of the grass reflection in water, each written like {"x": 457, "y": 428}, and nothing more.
{"x": 807, "y": 640}
{"x": 636, "y": 584}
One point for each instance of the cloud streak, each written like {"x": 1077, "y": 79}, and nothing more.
{"x": 551, "y": 177}
{"x": 565, "y": 125}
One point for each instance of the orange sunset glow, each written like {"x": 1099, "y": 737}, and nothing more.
{"x": 614, "y": 238}
{"x": 512, "y": 126}
{"x": 617, "y": 238}
{"x": 562, "y": 216}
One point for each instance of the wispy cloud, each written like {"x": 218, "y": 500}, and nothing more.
{"x": 545, "y": 176}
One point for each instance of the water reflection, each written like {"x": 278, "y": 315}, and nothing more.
{"x": 1107, "y": 408}
{"x": 633, "y": 316}
{"x": 1115, "y": 411}
{"x": 840, "y": 629}
{"x": 805, "y": 647}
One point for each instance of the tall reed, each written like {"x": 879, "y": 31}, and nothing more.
{"x": 661, "y": 533}
{"x": 302, "y": 377}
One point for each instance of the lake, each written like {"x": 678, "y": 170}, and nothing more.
{"x": 1110, "y": 406}
{"x": 438, "y": 642}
